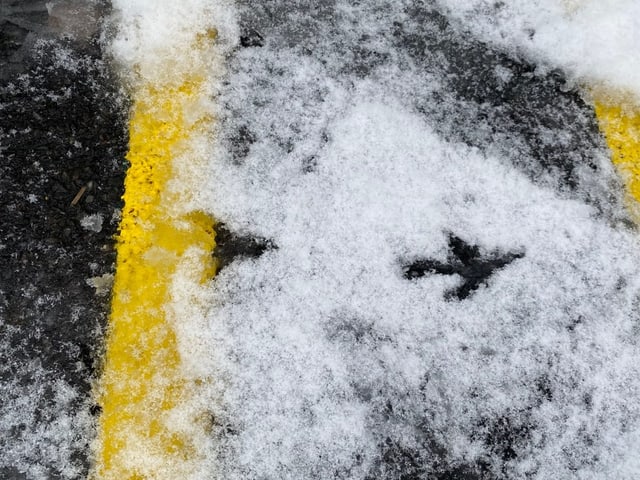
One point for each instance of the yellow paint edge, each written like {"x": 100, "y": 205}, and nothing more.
{"x": 142, "y": 384}
{"x": 619, "y": 121}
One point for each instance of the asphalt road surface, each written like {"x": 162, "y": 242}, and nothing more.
{"x": 63, "y": 140}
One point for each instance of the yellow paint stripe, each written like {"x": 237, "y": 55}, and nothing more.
{"x": 619, "y": 120}
{"x": 142, "y": 384}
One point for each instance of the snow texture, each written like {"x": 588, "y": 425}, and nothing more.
{"x": 45, "y": 423}
{"x": 594, "y": 41}
{"x": 92, "y": 223}
{"x": 331, "y": 358}
{"x": 348, "y": 144}
{"x": 392, "y": 153}
{"x": 155, "y": 41}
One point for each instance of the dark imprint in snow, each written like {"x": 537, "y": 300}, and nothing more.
{"x": 464, "y": 260}
{"x": 230, "y": 245}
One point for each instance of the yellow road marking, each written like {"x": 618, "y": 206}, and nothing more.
{"x": 142, "y": 383}
{"x": 619, "y": 120}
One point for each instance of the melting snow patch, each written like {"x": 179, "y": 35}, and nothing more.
{"x": 101, "y": 283}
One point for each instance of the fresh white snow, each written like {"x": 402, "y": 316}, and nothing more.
{"x": 326, "y": 358}
{"x": 313, "y": 341}
{"x": 596, "y": 42}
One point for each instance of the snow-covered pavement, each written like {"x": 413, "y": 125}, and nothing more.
{"x": 429, "y": 270}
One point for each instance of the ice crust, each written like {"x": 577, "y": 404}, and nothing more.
{"x": 93, "y": 222}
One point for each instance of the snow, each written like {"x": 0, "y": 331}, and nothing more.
{"x": 93, "y": 222}
{"x": 344, "y": 142}
{"x": 148, "y": 32}
{"x": 328, "y": 362}
{"x": 44, "y": 420}
{"x": 101, "y": 283}
{"x": 594, "y": 41}
{"x": 316, "y": 338}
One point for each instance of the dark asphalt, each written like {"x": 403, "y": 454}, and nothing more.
{"x": 62, "y": 128}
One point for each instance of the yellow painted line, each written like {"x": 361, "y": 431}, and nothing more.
{"x": 619, "y": 120}
{"x": 142, "y": 384}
